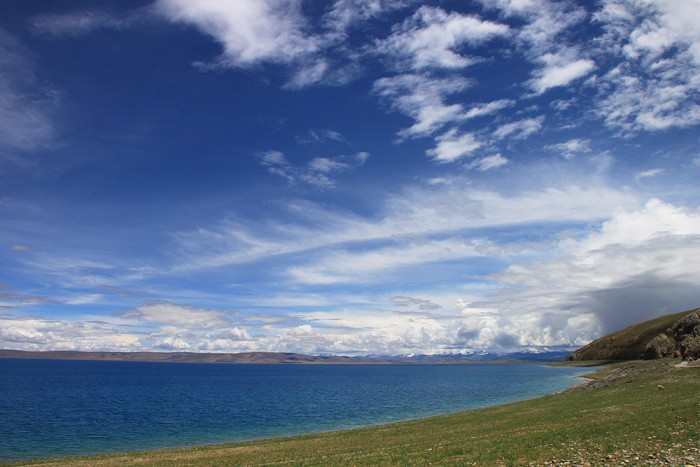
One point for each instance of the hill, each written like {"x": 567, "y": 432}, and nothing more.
{"x": 245, "y": 357}
{"x": 534, "y": 356}
{"x": 675, "y": 334}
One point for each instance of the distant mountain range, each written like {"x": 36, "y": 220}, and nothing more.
{"x": 192, "y": 357}
{"x": 669, "y": 335}
{"x": 283, "y": 357}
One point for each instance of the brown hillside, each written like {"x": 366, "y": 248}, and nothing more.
{"x": 628, "y": 343}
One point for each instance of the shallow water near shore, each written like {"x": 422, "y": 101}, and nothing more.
{"x": 53, "y": 408}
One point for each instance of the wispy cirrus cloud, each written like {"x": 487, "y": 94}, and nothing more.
{"x": 344, "y": 14}
{"x": 185, "y": 316}
{"x": 318, "y": 172}
{"x": 520, "y": 129}
{"x": 488, "y": 163}
{"x": 431, "y": 37}
{"x": 25, "y": 105}
{"x": 423, "y": 99}
{"x": 571, "y": 148}
{"x": 649, "y": 173}
{"x": 84, "y": 22}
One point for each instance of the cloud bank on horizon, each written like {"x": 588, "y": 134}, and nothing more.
{"x": 350, "y": 177}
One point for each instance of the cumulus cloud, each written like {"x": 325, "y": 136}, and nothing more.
{"x": 256, "y": 32}
{"x": 636, "y": 265}
{"x": 36, "y": 333}
{"x": 250, "y": 32}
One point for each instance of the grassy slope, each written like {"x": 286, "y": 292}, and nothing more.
{"x": 627, "y": 418}
{"x": 628, "y": 343}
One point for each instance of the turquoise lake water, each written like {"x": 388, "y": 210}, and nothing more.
{"x": 53, "y": 408}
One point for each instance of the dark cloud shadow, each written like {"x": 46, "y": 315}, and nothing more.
{"x": 640, "y": 298}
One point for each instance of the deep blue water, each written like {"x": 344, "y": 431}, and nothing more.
{"x": 52, "y": 408}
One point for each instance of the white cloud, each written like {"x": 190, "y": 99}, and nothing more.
{"x": 490, "y": 108}
{"x": 358, "y": 267}
{"x": 417, "y": 212}
{"x": 322, "y": 135}
{"x": 571, "y": 148}
{"x": 420, "y": 303}
{"x": 36, "y": 333}
{"x": 236, "y": 334}
{"x": 25, "y": 122}
{"x": 452, "y": 146}
{"x": 183, "y": 316}
{"x": 429, "y": 39}
{"x": 317, "y": 172}
{"x": 657, "y": 45}
{"x": 488, "y": 163}
{"x": 83, "y": 22}
{"x": 637, "y": 262}
{"x": 520, "y": 129}
{"x": 544, "y": 39}
{"x": 636, "y": 265}
{"x": 250, "y": 31}
{"x": 559, "y": 71}
{"x": 423, "y": 99}
{"x": 649, "y": 173}
{"x": 254, "y": 32}
{"x": 326, "y": 165}
{"x": 344, "y": 14}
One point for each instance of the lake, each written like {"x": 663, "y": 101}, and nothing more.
{"x": 53, "y": 408}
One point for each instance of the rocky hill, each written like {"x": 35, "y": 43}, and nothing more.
{"x": 669, "y": 335}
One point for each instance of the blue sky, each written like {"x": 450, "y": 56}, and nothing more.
{"x": 350, "y": 177}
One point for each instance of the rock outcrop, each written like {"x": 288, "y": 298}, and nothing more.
{"x": 659, "y": 347}
{"x": 686, "y": 333}
{"x": 676, "y": 335}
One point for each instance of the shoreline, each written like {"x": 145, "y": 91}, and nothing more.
{"x": 660, "y": 426}
{"x": 319, "y": 430}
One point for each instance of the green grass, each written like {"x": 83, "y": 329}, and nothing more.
{"x": 627, "y": 419}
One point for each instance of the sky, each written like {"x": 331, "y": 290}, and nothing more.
{"x": 345, "y": 177}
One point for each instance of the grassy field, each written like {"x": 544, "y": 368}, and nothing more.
{"x": 623, "y": 417}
